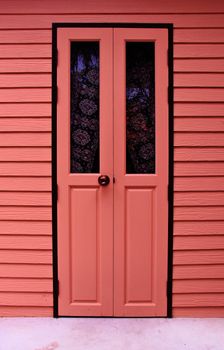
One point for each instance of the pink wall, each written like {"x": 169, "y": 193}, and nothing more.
{"x": 25, "y": 147}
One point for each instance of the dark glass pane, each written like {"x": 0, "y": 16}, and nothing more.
{"x": 84, "y": 107}
{"x": 140, "y": 108}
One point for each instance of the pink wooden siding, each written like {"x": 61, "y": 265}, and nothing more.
{"x": 25, "y": 147}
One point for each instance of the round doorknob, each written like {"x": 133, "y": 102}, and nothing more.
{"x": 103, "y": 180}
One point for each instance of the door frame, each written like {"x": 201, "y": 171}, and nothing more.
{"x": 169, "y": 27}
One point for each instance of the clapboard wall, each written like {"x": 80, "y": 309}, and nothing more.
{"x": 25, "y": 147}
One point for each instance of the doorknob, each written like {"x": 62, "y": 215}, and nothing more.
{"x": 103, "y": 180}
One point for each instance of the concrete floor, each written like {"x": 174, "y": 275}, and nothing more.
{"x": 108, "y": 334}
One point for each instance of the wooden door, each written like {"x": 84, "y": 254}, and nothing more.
{"x": 85, "y": 209}
{"x": 112, "y": 240}
{"x": 140, "y": 192}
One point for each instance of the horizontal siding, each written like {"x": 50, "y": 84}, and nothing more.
{"x": 180, "y": 20}
{"x": 199, "y": 311}
{"x": 198, "y": 199}
{"x": 21, "y": 183}
{"x": 199, "y": 133}
{"x": 198, "y": 79}
{"x": 198, "y": 228}
{"x": 199, "y": 36}
{"x": 198, "y": 213}
{"x": 25, "y": 154}
{"x": 26, "y": 311}
{"x": 193, "y": 243}
{"x": 198, "y": 154}
{"x": 185, "y": 272}
{"x": 209, "y": 65}
{"x": 116, "y": 6}
{"x": 183, "y": 199}
{"x": 198, "y": 286}
{"x": 16, "y": 270}
{"x": 198, "y": 94}
{"x": 198, "y": 183}
{"x": 198, "y": 256}
{"x": 25, "y": 95}
{"x": 25, "y": 65}
{"x": 198, "y": 299}
{"x": 25, "y": 80}
{"x": 25, "y": 168}
{"x": 199, "y": 50}
{"x": 195, "y": 124}
{"x": 203, "y": 110}
{"x": 25, "y": 299}
{"x": 26, "y": 198}
{"x": 26, "y": 285}
{"x": 28, "y": 212}
{"x": 25, "y": 149}
{"x": 25, "y": 242}
{"x": 195, "y": 139}
{"x": 25, "y": 36}
{"x": 30, "y": 110}
{"x": 25, "y": 227}
{"x": 25, "y": 256}
{"x": 25, "y": 51}
{"x": 25, "y": 173}
{"x": 25, "y": 124}
{"x": 22, "y": 139}
{"x": 198, "y": 169}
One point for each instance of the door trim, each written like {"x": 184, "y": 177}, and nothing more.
{"x": 169, "y": 27}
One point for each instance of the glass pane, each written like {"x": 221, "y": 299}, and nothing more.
{"x": 140, "y": 108}
{"x": 84, "y": 107}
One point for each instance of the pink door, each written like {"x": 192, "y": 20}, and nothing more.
{"x": 112, "y": 169}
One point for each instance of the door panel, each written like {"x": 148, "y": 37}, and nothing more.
{"x": 85, "y": 209}
{"x": 84, "y": 247}
{"x": 140, "y": 198}
{"x": 139, "y": 241}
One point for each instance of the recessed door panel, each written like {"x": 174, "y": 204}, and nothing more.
{"x": 112, "y": 170}
{"x": 139, "y": 227}
{"x": 84, "y": 244}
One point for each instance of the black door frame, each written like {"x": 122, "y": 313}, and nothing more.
{"x": 169, "y": 27}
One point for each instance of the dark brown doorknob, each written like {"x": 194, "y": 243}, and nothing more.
{"x": 103, "y": 180}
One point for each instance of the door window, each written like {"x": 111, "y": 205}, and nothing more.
{"x": 84, "y": 107}
{"x": 140, "y": 108}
